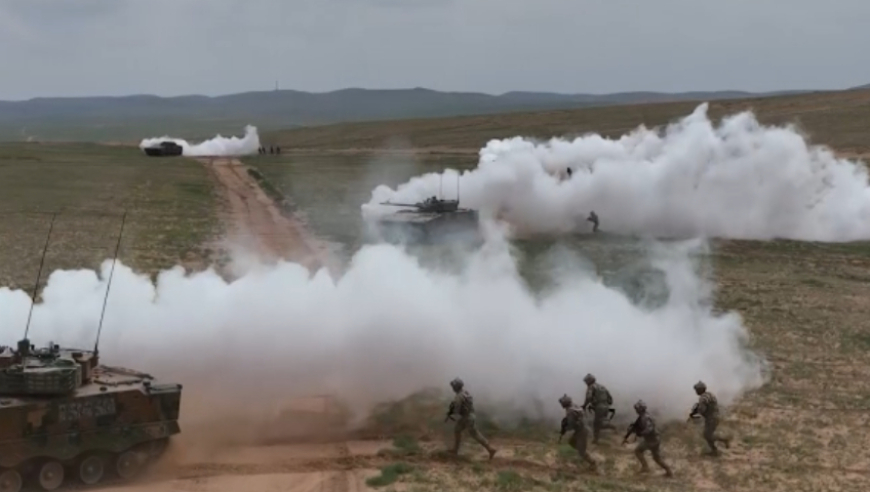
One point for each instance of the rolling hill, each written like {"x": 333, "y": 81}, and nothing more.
{"x": 130, "y": 118}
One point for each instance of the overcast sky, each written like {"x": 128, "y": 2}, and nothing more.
{"x": 171, "y": 47}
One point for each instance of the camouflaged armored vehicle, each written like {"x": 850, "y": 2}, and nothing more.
{"x": 64, "y": 417}
{"x": 164, "y": 148}
{"x": 428, "y": 221}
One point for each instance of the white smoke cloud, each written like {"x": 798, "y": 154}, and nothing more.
{"x": 217, "y": 146}
{"x": 736, "y": 180}
{"x": 389, "y": 327}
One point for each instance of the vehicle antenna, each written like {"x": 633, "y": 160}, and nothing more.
{"x": 109, "y": 284}
{"x": 39, "y": 276}
{"x": 441, "y": 188}
{"x": 458, "y": 176}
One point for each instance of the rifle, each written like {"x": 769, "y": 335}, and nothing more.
{"x": 694, "y": 413}
{"x": 611, "y": 411}
{"x": 632, "y": 429}
{"x": 450, "y": 411}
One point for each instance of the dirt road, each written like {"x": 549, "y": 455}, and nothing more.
{"x": 254, "y": 221}
{"x": 291, "y": 468}
{"x": 257, "y": 222}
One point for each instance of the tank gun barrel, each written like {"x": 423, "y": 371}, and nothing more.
{"x": 401, "y": 204}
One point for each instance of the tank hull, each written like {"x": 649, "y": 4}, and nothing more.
{"x": 163, "y": 151}
{"x": 122, "y": 419}
{"x": 425, "y": 228}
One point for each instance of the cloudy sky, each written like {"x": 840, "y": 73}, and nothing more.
{"x": 170, "y": 47}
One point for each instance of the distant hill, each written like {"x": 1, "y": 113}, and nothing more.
{"x": 130, "y": 118}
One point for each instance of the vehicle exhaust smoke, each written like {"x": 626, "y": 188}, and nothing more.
{"x": 217, "y": 146}
{"x": 739, "y": 180}
{"x": 390, "y": 326}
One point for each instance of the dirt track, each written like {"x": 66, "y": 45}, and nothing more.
{"x": 254, "y": 220}
{"x": 296, "y": 468}
{"x": 257, "y": 222}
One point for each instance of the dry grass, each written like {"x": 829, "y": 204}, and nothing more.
{"x": 169, "y": 202}
{"x": 839, "y": 119}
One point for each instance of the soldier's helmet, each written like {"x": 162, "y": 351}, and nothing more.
{"x": 589, "y": 379}
{"x": 700, "y": 387}
{"x": 640, "y": 406}
{"x": 565, "y": 401}
{"x": 457, "y": 384}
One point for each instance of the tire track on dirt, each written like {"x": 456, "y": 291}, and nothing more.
{"x": 252, "y": 216}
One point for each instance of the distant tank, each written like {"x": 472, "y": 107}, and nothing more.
{"x": 64, "y": 417}
{"x": 428, "y": 221}
{"x": 162, "y": 149}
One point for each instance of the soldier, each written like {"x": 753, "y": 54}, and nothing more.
{"x": 708, "y": 408}
{"x": 573, "y": 421}
{"x": 645, "y": 428}
{"x": 464, "y": 405}
{"x": 598, "y": 399}
{"x": 593, "y": 217}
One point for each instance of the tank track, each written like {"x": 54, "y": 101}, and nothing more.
{"x": 87, "y": 470}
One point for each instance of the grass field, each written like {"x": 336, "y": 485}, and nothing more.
{"x": 839, "y": 119}
{"x": 805, "y": 304}
{"x": 170, "y": 205}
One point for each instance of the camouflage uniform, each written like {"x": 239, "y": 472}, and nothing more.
{"x": 708, "y": 408}
{"x": 574, "y": 422}
{"x": 650, "y": 439}
{"x": 463, "y": 404}
{"x": 599, "y": 399}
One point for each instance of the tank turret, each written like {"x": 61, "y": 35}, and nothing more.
{"x": 431, "y": 205}
{"x": 49, "y": 371}
{"x": 65, "y": 414}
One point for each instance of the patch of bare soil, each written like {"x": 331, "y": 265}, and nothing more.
{"x": 256, "y": 220}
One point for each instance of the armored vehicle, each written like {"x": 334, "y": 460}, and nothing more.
{"x": 164, "y": 148}
{"x": 428, "y": 221}
{"x": 65, "y": 417}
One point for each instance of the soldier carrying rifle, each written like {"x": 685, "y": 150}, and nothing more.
{"x": 573, "y": 421}
{"x": 645, "y": 427}
{"x": 463, "y": 404}
{"x": 598, "y": 400}
{"x": 708, "y": 408}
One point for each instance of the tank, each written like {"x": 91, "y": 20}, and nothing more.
{"x": 429, "y": 221}
{"x": 66, "y": 418}
{"x": 161, "y": 150}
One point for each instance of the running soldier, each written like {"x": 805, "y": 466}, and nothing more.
{"x": 463, "y": 404}
{"x": 645, "y": 427}
{"x": 593, "y": 217}
{"x": 599, "y": 400}
{"x": 573, "y": 421}
{"x": 708, "y": 408}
